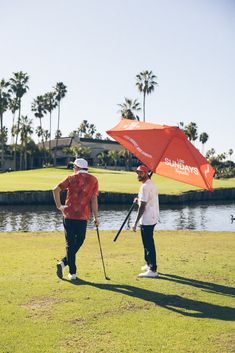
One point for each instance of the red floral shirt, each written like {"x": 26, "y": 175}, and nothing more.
{"x": 81, "y": 187}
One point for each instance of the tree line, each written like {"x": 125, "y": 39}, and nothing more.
{"x": 11, "y": 95}
{"x": 22, "y": 145}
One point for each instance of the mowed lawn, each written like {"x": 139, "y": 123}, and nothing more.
{"x": 109, "y": 180}
{"x": 189, "y": 309}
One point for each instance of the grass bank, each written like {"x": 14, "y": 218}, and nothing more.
{"x": 189, "y": 309}
{"x": 109, "y": 181}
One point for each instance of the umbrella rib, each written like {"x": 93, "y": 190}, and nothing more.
{"x": 159, "y": 159}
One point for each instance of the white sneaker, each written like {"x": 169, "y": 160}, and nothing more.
{"x": 148, "y": 274}
{"x": 72, "y": 277}
{"x": 145, "y": 268}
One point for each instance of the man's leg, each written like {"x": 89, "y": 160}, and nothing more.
{"x": 69, "y": 259}
{"x": 149, "y": 246}
{"x": 80, "y": 232}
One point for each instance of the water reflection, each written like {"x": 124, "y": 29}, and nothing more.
{"x": 200, "y": 216}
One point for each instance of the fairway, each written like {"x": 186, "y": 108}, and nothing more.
{"x": 109, "y": 181}
{"x": 189, "y": 309}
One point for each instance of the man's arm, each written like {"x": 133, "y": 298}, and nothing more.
{"x": 94, "y": 208}
{"x": 56, "y": 193}
{"x": 140, "y": 213}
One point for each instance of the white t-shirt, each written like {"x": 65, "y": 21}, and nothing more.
{"x": 149, "y": 194}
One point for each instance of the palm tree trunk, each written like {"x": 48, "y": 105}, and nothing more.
{"x": 21, "y": 156}
{"x": 25, "y": 158}
{"x": 50, "y": 138}
{"x": 58, "y": 127}
{"x": 2, "y": 142}
{"x": 43, "y": 143}
{"x": 17, "y": 133}
{"x": 13, "y": 123}
{"x": 144, "y": 106}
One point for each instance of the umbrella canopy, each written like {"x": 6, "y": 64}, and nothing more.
{"x": 165, "y": 150}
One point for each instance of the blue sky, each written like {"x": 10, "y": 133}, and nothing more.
{"x": 96, "y": 47}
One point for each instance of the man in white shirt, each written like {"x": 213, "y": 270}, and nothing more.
{"x": 147, "y": 216}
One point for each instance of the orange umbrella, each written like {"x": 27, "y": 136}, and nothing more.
{"x": 165, "y": 150}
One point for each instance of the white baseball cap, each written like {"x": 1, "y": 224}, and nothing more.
{"x": 81, "y": 163}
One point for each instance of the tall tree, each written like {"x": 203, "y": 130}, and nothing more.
{"x": 210, "y": 154}
{"x": 60, "y": 92}
{"x": 38, "y": 107}
{"x": 4, "y": 104}
{"x": 19, "y": 86}
{"x": 83, "y": 128}
{"x": 203, "y": 139}
{"x": 39, "y": 132}
{"x": 190, "y": 130}
{"x": 145, "y": 82}
{"x": 91, "y": 131}
{"x": 128, "y": 109}
{"x": 13, "y": 106}
{"x": 50, "y": 105}
{"x": 58, "y": 134}
{"x": 25, "y": 131}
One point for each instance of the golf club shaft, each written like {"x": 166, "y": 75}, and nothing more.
{"x": 101, "y": 253}
{"x": 125, "y": 220}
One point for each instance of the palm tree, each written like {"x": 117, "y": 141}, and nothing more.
{"x": 58, "y": 134}
{"x": 83, "y": 128}
{"x": 210, "y": 154}
{"x": 127, "y": 156}
{"x": 103, "y": 158}
{"x": 127, "y": 112}
{"x": 46, "y": 135}
{"x": 25, "y": 131}
{"x": 190, "y": 130}
{"x": 145, "y": 84}
{"x": 98, "y": 136}
{"x": 39, "y": 132}
{"x": 230, "y": 152}
{"x": 4, "y": 104}
{"x": 19, "y": 87}
{"x": 114, "y": 156}
{"x": 50, "y": 105}
{"x": 14, "y": 106}
{"x": 128, "y": 108}
{"x": 91, "y": 131}
{"x": 38, "y": 107}
{"x": 81, "y": 152}
{"x": 60, "y": 92}
{"x": 203, "y": 139}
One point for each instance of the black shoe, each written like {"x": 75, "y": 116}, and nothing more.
{"x": 59, "y": 271}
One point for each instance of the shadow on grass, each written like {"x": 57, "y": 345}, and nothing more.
{"x": 176, "y": 303}
{"x": 206, "y": 286}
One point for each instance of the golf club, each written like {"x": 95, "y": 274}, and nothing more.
{"x": 125, "y": 220}
{"x": 98, "y": 235}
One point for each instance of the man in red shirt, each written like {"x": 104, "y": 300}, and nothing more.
{"x": 81, "y": 198}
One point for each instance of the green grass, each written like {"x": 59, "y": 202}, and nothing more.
{"x": 189, "y": 309}
{"x": 109, "y": 180}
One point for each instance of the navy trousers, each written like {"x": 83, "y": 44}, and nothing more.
{"x": 75, "y": 233}
{"x": 149, "y": 246}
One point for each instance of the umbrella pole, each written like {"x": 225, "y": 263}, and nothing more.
{"x": 125, "y": 220}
